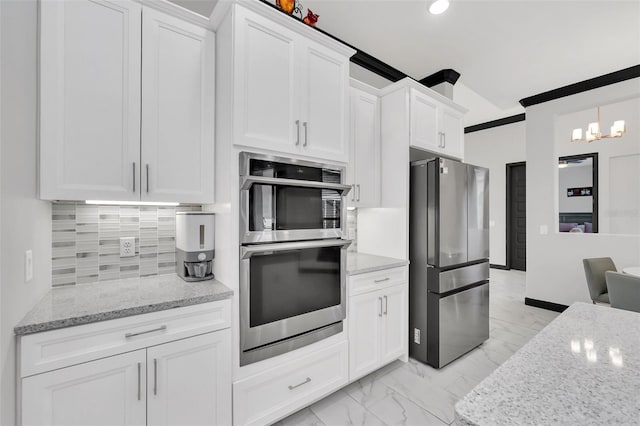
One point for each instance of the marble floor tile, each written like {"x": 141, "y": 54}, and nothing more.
{"x": 396, "y": 410}
{"x": 304, "y": 417}
{"x": 416, "y": 394}
{"x": 340, "y": 409}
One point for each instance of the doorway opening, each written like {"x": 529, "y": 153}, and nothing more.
{"x": 517, "y": 216}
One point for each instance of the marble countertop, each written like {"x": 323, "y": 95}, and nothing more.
{"x": 361, "y": 263}
{"x": 582, "y": 369}
{"x": 86, "y": 303}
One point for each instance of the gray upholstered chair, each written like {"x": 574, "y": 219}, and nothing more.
{"x": 624, "y": 291}
{"x": 594, "y": 269}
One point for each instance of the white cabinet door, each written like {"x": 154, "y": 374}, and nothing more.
{"x": 365, "y": 331}
{"x": 177, "y": 110}
{"x": 365, "y": 150}
{"x": 189, "y": 381}
{"x": 452, "y": 126}
{"x": 90, "y": 100}
{"x": 110, "y": 391}
{"x": 395, "y": 323}
{"x": 424, "y": 122}
{"x": 325, "y": 96}
{"x": 266, "y": 95}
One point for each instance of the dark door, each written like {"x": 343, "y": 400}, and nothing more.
{"x": 517, "y": 216}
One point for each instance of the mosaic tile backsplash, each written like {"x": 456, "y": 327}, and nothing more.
{"x": 86, "y": 241}
{"x": 352, "y": 229}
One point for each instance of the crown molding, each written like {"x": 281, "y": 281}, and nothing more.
{"x": 583, "y": 86}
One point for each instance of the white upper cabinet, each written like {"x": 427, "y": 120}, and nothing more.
{"x": 177, "y": 110}
{"x": 126, "y": 108}
{"x": 266, "y": 101}
{"x": 289, "y": 92}
{"x": 424, "y": 122}
{"x": 452, "y": 132}
{"x": 90, "y": 100}
{"x": 364, "y": 164}
{"x": 325, "y": 97}
{"x": 436, "y": 125}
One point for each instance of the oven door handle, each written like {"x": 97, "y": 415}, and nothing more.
{"x": 247, "y": 181}
{"x": 248, "y": 251}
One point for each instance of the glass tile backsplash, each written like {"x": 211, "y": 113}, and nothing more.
{"x": 86, "y": 241}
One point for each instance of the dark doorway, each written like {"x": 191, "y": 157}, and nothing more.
{"x": 517, "y": 216}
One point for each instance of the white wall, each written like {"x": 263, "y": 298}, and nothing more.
{"x": 25, "y": 222}
{"x": 574, "y": 177}
{"x": 554, "y": 259}
{"x": 494, "y": 148}
{"x": 369, "y": 77}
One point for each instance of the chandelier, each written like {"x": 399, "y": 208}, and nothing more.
{"x": 593, "y": 131}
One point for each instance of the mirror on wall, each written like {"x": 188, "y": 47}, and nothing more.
{"x": 578, "y": 193}
{"x": 615, "y": 201}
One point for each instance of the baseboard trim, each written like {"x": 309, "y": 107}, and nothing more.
{"x": 503, "y": 267}
{"x": 556, "y": 307}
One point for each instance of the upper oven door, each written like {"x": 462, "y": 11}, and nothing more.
{"x": 289, "y": 200}
{"x": 287, "y": 289}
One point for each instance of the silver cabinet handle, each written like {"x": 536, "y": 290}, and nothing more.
{"x": 297, "y": 132}
{"x": 444, "y": 140}
{"x": 306, "y": 133}
{"x": 129, "y": 335}
{"x": 439, "y": 139}
{"x": 307, "y": 380}
{"x": 353, "y": 194}
{"x": 380, "y": 310}
{"x": 358, "y": 188}
{"x": 155, "y": 376}
{"x": 134, "y": 176}
{"x": 147, "y": 167}
{"x": 386, "y": 304}
{"x": 139, "y": 381}
{"x": 381, "y": 280}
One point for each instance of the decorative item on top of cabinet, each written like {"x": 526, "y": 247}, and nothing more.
{"x": 311, "y": 19}
{"x": 286, "y": 85}
{"x": 364, "y": 164}
{"x": 96, "y": 100}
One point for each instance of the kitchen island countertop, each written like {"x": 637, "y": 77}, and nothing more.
{"x": 582, "y": 369}
{"x": 106, "y": 300}
{"x": 361, "y": 263}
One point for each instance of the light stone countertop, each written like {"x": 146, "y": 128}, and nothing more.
{"x": 86, "y": 303}
{"x": 361, "y": 263}
{"x": 582, "y": 369}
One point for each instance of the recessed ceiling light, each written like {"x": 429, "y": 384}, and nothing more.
{"x": 438, "y": 6}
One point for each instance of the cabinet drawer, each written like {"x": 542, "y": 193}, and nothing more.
{"x": 268, "y": 396}
{"x": 364, "y": 283}
{"x": 54, "y": 349}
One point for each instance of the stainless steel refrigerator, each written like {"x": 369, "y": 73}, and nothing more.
{"x": 449, "y": 260}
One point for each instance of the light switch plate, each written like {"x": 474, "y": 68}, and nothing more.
{"x": 544, "y": 230}
{"x": 127, "y": 246}
{"x": 416, "y": 335}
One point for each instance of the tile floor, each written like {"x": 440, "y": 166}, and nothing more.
{"x": 415, "y": 394}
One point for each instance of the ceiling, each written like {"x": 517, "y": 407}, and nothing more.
{"x": 505, "y": 50}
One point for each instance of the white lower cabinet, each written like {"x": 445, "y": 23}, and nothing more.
{"x": 378, "y": 321}
{"x": 268, "y": 396}
{"x": 189, "y": 381}
{"x": 152, "y": 381}
{"x": 108, "y": 392}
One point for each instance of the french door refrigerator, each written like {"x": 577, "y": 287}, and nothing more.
{"x": 449, "y": 260}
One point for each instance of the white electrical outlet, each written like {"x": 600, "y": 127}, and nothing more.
{"x": 28, "y": 266}
{"x": 416, "y": 335}
{"x": 127, "y": 246}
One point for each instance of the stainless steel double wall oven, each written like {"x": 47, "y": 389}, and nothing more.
{"x": 292, "y": 254}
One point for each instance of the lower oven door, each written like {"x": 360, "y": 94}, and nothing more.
{"x": 289, "y": 289}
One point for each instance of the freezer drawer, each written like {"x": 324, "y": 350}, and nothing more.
{"x": 457, "y": 323}
{"x": 439, "y": 281}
